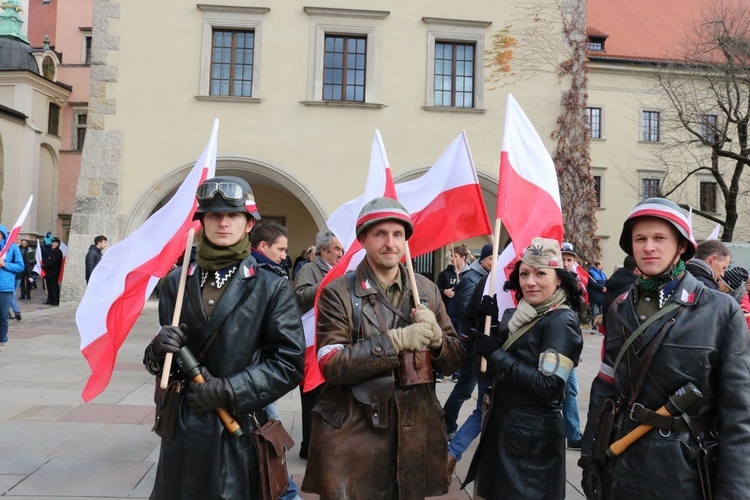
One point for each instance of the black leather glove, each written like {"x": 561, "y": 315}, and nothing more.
{"x": 485, "y": 345}
{"x": 169, "y": 339}
{"x": 213, "y": 393}
{"x": 488, "y": 306}
{"x": 592, "y": 478}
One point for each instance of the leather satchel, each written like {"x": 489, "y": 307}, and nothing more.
{"x": 271, "y": 444}
{"x": 415, "y": 367}
{"x": 374, "y": 397}
{"x": 167, "y": 406}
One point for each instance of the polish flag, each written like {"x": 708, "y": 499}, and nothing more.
{"x": 528, "y": 200}
{"x": 583, "y": 276}
{"x": 64, "y": 249}
{"x": 528, "y": 194}
{"x": 13, "y": 234}
{"x": 715, "y": 233}
{"x": 128, "y": 272}
{"x": 38, "y": 257}
{"x": 445, "y": 205}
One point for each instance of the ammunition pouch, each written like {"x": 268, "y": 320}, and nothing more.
{"x": 167, "y": 407}
{"x": 374, "y": 398}
{"x": 415, "y": 367}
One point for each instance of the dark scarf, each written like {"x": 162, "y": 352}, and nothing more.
{"x": 652, "y": 285}
{"x": 213, "y": 258}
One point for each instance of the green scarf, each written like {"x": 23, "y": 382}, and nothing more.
{"x": 212, "y": 258}
{"x": 652, "y": 285}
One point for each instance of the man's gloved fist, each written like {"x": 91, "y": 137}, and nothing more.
{"x": 169, "y": 339}
{"x": 410, "y": 338}
{"x": 213, "y": 393}
{"x": 424, "y": 315}
{"x": 592, "y": 478}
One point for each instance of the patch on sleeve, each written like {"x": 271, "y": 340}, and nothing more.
{"x": 552, "y": 363}
{"x": 606, "y": 373}
{"x": 329, "y": 349}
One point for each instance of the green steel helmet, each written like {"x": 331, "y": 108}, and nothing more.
{"x": 225, "y": 194}
{"x": 383, "y": 209}
{"x": 660, "y": 208}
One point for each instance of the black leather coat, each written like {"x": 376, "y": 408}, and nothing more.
{"x": 259, "y": 349}
{"x": 708, "y": 346}
{"x": 521, "y": 453}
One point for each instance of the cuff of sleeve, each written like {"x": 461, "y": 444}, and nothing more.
{"x": 503, "y": 363}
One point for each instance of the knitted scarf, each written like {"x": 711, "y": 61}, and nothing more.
{"x": 526, "y": 312}
{"x": 652, "y": 285}
{"x": 213, "y": 258}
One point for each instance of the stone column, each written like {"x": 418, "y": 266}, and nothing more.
{"x": 98, "y": 192}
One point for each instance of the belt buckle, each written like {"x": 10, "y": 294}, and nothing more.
{"x": 632, "y": 409}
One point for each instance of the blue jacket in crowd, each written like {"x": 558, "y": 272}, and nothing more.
{"x": 13, "y": 263}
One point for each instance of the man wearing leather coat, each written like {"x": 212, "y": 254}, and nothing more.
{"x": 377, "y": 426}
{"x": 240, "y": 320}
{"x": 691, "y": 334}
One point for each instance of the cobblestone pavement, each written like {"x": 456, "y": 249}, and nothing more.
{"x": 53, "y": 445}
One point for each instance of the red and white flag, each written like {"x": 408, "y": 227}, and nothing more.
{"x": 64, "y": 250}
{"x": 528, "y": 194}
{"x": 528, "y": 200}
{"x": 13, "y": 234}
{"x": 128, "y": 272}
{"x": 445, "y": 205}
{"x": 583, "y": 276}
{"x": 38, "y": 257}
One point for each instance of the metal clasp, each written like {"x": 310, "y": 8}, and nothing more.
{"x": 632, "y": 409}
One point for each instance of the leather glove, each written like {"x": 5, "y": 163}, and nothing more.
{"x": 213, "y": 393}
{"x": 592, "y": 478}
{"x": 424, "y": 315}
{"x": 488, "y": 306}
{"x": 486, "y": 345}
{"x": 410, "y": 338}
{"x": 169, "y": 339}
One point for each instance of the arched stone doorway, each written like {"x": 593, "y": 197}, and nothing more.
{"x": 279, "y": 197}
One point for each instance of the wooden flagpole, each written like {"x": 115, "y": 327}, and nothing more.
{"x": 491, "y": 288}
{"x": 178, "y": 305}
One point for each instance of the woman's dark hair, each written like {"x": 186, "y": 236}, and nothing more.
{"x": 568, "y": 282}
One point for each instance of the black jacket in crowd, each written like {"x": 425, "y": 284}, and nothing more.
{"x": 93, "y": 257}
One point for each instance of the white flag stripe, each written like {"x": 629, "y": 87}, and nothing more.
{"x": 536, "y": 161}
{"x": 138, "y": 248}
{"x": 504, "y": 299}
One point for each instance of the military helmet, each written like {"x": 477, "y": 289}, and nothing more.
{"x": 225, "y": 194}
{"x": 383, "y": 209}
{"x": 660, "y": 208}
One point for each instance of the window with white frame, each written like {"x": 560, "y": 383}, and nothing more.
{"x": 80, "y": 116}
{"x": 455, "y": 64}
{"x": 650, "y": 126}
{"x": 594, "y": 122}
{"x": 344, "y": 67}
{"x": 86, "y": 41}
{"x": 231, "y": 50}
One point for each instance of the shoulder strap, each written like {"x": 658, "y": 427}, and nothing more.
{"x": 356, "y": 304}
{"x": 525, "y": 328}
{"x": 637, "y": 333}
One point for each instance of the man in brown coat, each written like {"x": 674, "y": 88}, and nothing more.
{"x": 378, "y": 429}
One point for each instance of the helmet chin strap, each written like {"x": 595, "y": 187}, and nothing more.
{"x": 667, "y": 273}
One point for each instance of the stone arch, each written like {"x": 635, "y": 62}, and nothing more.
{"x": 277, "y": 192}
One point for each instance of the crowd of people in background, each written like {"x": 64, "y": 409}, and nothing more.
{"x": 675, "y": 318}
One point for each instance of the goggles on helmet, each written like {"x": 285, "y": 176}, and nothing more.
{"x": 230, "y": 191}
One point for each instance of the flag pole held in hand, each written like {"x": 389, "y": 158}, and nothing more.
{"x": 178, "y": 305}
{"x": 493, "y": 272}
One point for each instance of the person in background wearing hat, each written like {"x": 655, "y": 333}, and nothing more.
{"x": 52, "y": 265}
{"x": 734, "y": 282}
{"x": 668, "y": 330}
{"x": 712, "y": 258}
{"x": 240, "y": 320}
{"x": 521, "y": 453}
{"x": 466, "y": 329}
{"x": 377, "y": 427}
{"x": 570, "y": 403}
